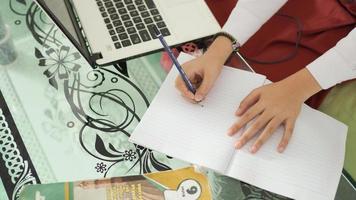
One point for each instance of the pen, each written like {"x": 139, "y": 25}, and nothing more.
{"x": 184, "y": 76}
{"x": 245, "y": 62}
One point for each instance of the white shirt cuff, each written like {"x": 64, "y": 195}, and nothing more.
{"x": 328, "y": 68}
{"x": 249, "y": 15}
{"x": 336, "y": 65}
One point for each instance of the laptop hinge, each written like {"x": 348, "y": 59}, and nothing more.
{"x": 96, "y": 56}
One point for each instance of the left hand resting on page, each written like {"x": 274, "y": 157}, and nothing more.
{"x": 271, "y": 106}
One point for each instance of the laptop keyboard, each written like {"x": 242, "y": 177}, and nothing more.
{"x": 131, "y": 22}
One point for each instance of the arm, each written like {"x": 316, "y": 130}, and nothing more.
{"x": 246, "y": 18}
{"x": 249, "y": 15}
{"x": 280, "y": 103}
{"x": 336, "y": 65}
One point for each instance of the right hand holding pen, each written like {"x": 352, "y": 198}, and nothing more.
{"x": 202, "y": 72}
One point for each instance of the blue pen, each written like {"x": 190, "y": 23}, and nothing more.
{"x": 184, "y": 76}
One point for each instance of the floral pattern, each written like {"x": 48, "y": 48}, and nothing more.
{"x": 130, "y": 155}
{"x": 100, "y": 167}
{"x": 60, "y": 62}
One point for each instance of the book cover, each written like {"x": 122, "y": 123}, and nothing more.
{"x": 182, "y": 184}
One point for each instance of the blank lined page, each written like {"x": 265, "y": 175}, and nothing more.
{"x": 311, "y": 166}
{"x": 196, "y": 133}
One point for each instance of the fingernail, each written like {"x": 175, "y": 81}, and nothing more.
{"x": 199, "y": 97}
{"x": 253, "y": 149}
{"x": 230, "y": 132}
{"x": 238, "y": 145}
{"x": 238, "y": 112}
{"x": 280, "y": 149}
{"x": 190, "y": 95}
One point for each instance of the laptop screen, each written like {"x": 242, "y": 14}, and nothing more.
{"x": 59, "y": 11}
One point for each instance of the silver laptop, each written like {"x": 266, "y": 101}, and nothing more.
{"x": 120, "y": 29}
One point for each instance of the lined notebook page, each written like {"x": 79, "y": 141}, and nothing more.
{"x": 192, "y": 132}
{"x": 311, "y": 166}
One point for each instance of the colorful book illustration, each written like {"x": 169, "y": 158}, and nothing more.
{"x": 182, "y": 184}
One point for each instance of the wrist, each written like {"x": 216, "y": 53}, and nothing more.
{"x": 220, "y": 50}
{"x": 304, "y": 84}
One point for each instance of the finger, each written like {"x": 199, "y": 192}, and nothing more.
{"x": 247, "y": 102}
{"x": 204, "y": 88}
{"x": 266, "y": 134}
{"x": 288, "y": 131}
{"x": 260, "y": 122}
{"x": 189, "y": 100}
{"x": 180, "y": 85}
{"x": 245, "y": 118}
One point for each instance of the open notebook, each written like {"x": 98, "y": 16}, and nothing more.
{"x": 310, "y": 168}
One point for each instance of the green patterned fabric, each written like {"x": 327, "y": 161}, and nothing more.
{"x": 341, "y": 104}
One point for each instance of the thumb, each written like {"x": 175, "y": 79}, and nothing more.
{"x": 204, "y": 88}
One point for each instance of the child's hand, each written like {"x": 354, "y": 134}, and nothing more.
{"x": 271, "y": 106}
{"x": 202, "y": 72}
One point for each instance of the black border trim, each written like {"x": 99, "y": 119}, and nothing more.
{"x": 5, "y": 177}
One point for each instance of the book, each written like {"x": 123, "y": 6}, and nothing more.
{"x": 181, "y": 184}
{"x": 310, "y": 167}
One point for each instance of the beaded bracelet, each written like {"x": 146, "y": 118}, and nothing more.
{"x": 235, "y": 44}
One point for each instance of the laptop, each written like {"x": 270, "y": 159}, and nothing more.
{"x": 123, "y": 29}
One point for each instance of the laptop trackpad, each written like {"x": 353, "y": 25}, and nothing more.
{"x": 174, "y": 3}
{"x": 188, "y": 18}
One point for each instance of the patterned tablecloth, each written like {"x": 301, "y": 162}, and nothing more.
{"x": 61, "y": 120}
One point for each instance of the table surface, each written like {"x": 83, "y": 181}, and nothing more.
{"x": 60, "y": 120}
